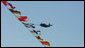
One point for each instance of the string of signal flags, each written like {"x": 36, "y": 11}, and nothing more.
{"x": 24, "y": 20}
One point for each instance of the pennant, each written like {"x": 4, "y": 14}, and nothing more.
{"x": 22, "y": 18}
{"x": 11, "y": 5}
{"x": 38, "y": 37}
{"x": 45, "y": 43}
{"x": 15, "y": 11}
{"x": 6, "y": 3}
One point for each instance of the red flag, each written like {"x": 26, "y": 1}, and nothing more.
{"x": 11, "y": 5}
{"x": 5, "y": 3}
{"x": 22, "y": 18}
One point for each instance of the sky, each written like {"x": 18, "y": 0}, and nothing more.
{"x": 67, "y": 18}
